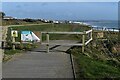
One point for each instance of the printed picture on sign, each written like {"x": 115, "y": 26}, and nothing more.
{"x": 29, "y": 36}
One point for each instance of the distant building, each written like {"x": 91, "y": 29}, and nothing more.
{"x": 70, "y": 22}
{"x": 8, "y": 17}
{"x": 76, "y": 22}
{"x": 46, "y": 21}
{"x": 56, "y": 22}
{"x": 80, "y": 23}
{"x": 61, "y": 22}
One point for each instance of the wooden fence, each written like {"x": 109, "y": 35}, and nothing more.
{"x": 106, "y": 29}
{"x": 83, "y": 44}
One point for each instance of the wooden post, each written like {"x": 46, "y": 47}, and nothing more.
{"x": 47, "y": 36}
{"x": 41, "y": 37}
{"x": 91, "y": 35}
{"x": 13, "y": 43}
{"x": 91, "y": 38}
{"x": 83, "y": 43}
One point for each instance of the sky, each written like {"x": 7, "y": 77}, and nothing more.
{"x": 62, "y": 10}
{"x": 60, "y": 0}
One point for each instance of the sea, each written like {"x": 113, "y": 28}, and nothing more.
{"x": 103, "y": 24}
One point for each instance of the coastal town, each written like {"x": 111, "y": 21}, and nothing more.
{"x": 5, "y": 17}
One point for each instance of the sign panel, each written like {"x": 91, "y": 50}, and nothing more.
{"x": 29, "y": 36}
{"x": 100, "y": 35}
{"x": 14, "y": 33}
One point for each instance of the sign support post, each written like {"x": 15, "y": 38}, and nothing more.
{"x": 14, "y": 34}
{"x": 13, "y": 43}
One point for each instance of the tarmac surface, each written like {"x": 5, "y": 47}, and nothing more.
{"x": 39, "y": 64}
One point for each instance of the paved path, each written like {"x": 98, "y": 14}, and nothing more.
{"x": 39, "y": 64}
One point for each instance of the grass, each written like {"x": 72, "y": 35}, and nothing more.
{"x": 11, "y": 52}
{"x": 20, "y": 48}
{"x": 92, "y": 68}
{"x": 52, "y": 27}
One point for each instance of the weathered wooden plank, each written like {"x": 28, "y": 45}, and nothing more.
{"x": 65, "y": 44}
{"x": 88, "y": 31}
{"x": 63, "y": 32}
{"x": 22, "y": 43}
{"x": 88, "y": 41}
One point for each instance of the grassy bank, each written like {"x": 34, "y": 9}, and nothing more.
{"x": 100, "y": 59}
{"x": 92, "y": 67}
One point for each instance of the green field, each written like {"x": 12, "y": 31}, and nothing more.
{"x": 53, "y": 27}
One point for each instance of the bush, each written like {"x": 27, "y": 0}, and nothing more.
{"x": 29, "y": 20}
